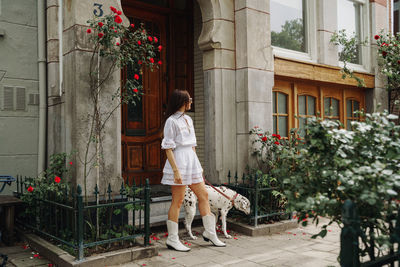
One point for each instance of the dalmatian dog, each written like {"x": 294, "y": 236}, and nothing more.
{"x": 219, "y": 204}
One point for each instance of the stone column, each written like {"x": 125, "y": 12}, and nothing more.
{"x": 254, "y": 74}
{"x": 217, "y": 41}
{"x": 326, "y": 25}
{"x": 379, "y": 22}
{"x": 75, "y": 103}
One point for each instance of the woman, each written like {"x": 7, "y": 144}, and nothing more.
{"x": 183, "y": 168}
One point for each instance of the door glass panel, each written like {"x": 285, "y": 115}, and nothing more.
{"x": 311, "y": 105}
{"x": 180, "y": 4}
{"x": 135, "y": 111}
{"x": 274, "y": 102}
{"x": 274, "y": 121}
{"x": 356, "y": 106}
{"x": 302, "y": 105}
{"x": 335, "y": 107}
{"x": 163, "y": 3}
{"x": 348, "y": 125}
{"x": 282, "y": 103}
{"x": 283, "y": 126}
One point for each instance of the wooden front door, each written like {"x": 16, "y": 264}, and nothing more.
{"x": 142, "y": 123}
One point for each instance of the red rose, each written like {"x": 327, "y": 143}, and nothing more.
{"x": 140, "y": 62}
{"x": 115, "y": 31}
{"x": 151, "y": 60}
{"x": 89, "y": 30}
{"x": 136, "y": 77}
{"x": 119, "y": 12}
{"x": 398, "y": 61}
{"x": 112, "y": 28}
{"x": 155, "y": 39}
{"x": 113, "y": 9}
{"x": 70, "y": 163}
{"x": 150, "y": 39}
{"x": 159, "y": 62}
{"x": 135, "y": 90}
{"x": 139, "y": 42}
{"x": 117, "y": 44}
{"x": 30, "y": 189}
{"x": 132, "y": 25}
{"x": 276, "y": 143}
{"x": 384, "y": 53}
{"x": 279, "y": 137}
{"x": 376, "y": 37}
{"x": 117, "y": 19}
{"x": 101, "y": 24}
{"x": 36, "y": 255}
{"x": 57, "y": 179}
{"x": 264, "y": 139}
{"x": 159, "y": 48}
{"x": 384, "y": 44}
{"x": 100, "y": 35}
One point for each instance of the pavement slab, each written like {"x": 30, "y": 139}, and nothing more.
{"x": 293, "y": 247}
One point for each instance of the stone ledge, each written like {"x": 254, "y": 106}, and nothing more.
{"x": 62, "y": 258}
{"x": 262, "y": 229}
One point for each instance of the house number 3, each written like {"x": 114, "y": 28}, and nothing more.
{"x": 98, "y": 11}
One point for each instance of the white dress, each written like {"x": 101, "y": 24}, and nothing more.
{"x": 179, "y": 135}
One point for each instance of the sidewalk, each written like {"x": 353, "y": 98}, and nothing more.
{"x": 291, "y": 248}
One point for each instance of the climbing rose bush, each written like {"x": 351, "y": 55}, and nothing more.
{"x": 389, "y": 58}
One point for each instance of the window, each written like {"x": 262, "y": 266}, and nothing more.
{"x": 331, "y": 108}
{"x": 307, "y": 109}
{"x": 352, "y": 106}
{"x": 280, "y": 114}
{"x": 349, "y": 19}
{"x": 288, "y": 24}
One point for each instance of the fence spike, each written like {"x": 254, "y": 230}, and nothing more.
{"x": 79, "y": 190}
{"x": 236, "y": 178}
{"x": 229, "y": 177}
{"x": 109, "y": 191}
{"x": 96, "y": 190}
{"x": 122, "y": 190}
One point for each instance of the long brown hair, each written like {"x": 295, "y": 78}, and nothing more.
{"x": 177, "y": 99}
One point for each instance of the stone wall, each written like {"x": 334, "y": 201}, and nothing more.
{"x": 19, "y": 91}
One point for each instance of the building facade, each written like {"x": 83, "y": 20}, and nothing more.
{"x": 245, "y": 62}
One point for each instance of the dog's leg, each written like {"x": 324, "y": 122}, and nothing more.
{"x": 190, "y": 210}
{"x": 223, "y": 219}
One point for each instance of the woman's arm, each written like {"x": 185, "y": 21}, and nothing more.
{"x": 171, "y": 159}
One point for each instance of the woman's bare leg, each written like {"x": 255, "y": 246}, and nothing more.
{"x": 178, "y": 194}
{"x": 202, "y": 195}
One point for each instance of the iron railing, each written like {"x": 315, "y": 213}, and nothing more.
{"x": 351, "y": 233}
{"x": 79, "y": 223}
{"x": 264, "y": 205}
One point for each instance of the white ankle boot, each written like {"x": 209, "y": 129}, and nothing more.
{"x": 173, "y": 238}
{"x": 210, "y": 234}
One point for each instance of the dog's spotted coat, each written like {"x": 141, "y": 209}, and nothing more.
{"x": 218, "y": 204}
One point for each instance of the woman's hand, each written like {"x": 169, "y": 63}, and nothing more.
{"x": 177, "y": 177}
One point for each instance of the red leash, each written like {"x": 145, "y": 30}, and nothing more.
{"x": 216, "y": 189}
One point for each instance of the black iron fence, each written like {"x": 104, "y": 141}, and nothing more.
{"x": 80, "y": 223}
{"x": 266, "y": 202}
{"x": 351, "y": 233}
